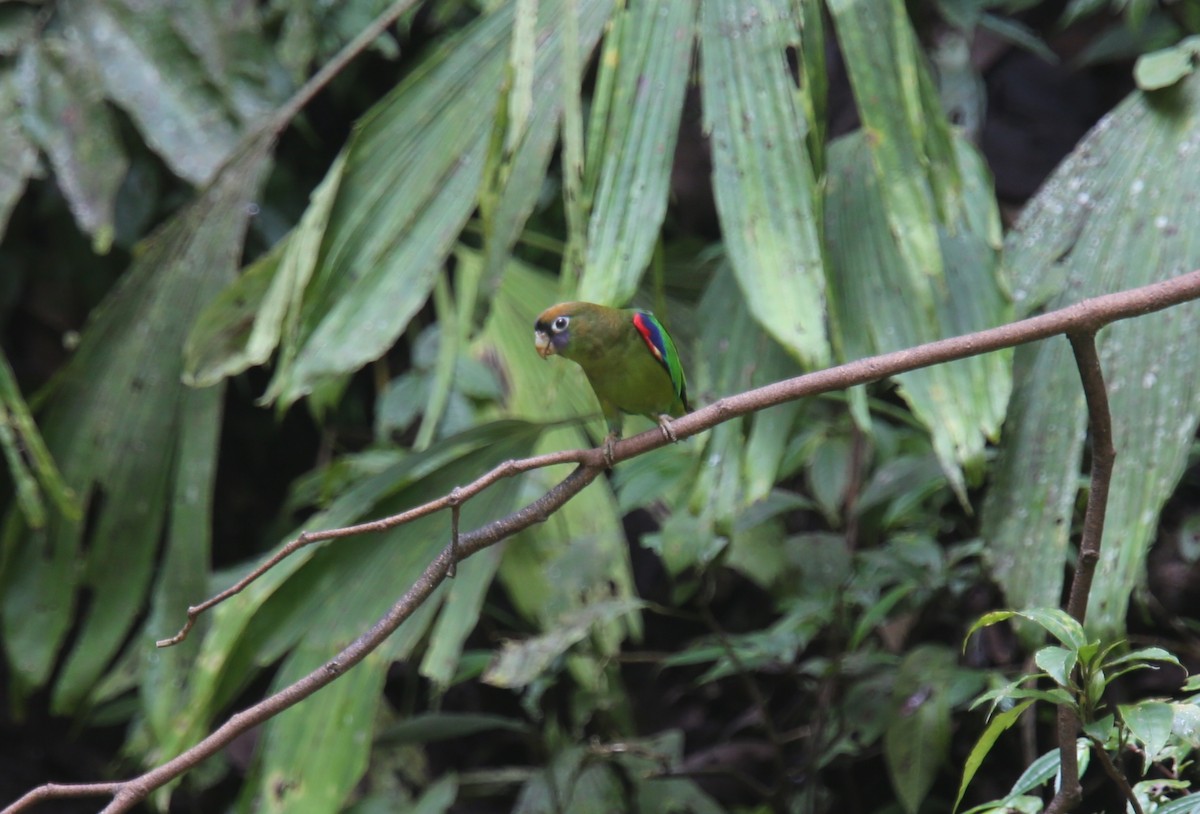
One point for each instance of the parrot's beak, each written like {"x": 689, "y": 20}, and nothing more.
{"x": 541, "y": 341}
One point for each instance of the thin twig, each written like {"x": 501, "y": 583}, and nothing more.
{"x": 456, "y": 497}
{"x": 1114, "y": 774}
{"x": 1086, "y": 315}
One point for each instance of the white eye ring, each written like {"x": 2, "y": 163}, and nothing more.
{"x": 560, "y": 324}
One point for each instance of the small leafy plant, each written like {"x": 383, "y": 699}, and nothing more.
{"x": 1161, "y": 734}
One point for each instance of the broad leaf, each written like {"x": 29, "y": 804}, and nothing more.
{"x": 910, "y": 144}
{"x": 1117, "y": 214}
{"x": 654, "y": 53}
{"x": 413, "y": 171}
{"x": 519, "y": 663}
{"x": 115, "y": 427}
{"x": 875, "y": 304}
{"x": 18, "y": 155}
{"x": 193, "y": 76}
{"x": 763, "y": 175}
{"x": 64, "y": 113}
{"x": 1150, "y": 724}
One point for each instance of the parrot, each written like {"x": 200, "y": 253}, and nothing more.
{"x": 629, "y": 359}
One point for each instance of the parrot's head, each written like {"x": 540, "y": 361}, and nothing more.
{"x": 552, "y": 331}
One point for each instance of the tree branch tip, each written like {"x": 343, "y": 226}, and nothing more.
{"x": 192, "y": 613}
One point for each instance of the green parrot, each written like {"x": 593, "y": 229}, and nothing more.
{"x": 628, "y": 356}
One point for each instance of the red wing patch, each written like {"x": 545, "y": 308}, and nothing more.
{"x": 651, "y": 335}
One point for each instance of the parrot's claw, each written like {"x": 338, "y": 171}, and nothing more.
{"x": 609, "y": 440}
{"x": 664, "y": 424}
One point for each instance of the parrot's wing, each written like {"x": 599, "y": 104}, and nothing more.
{"x": 663, "y": 349}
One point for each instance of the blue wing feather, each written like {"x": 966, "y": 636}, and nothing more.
{"x": 663, "y": 349}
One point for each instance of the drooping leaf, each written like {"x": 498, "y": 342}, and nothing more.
{"x": 184, "y": 573}
{"x": 18, "y": 155}
{"x": 1118, "y": 213}
{"x": 872, "y": 301}
{"x": 763, "y": 175}
{"x": 243, "y": 325}
{"x": 193, "y": 76}
{"x": 63, "y": 111}
{"x": 909, "y": 138}
{"x": 412, "y": 176}
{"x": 983, "y": 746}
{"x": 114, "y": 426}
{"x": 653, "y": 52}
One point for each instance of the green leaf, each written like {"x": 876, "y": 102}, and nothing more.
{"x": 314, "y": 754}
{"x": 988, "y": 619}
{"x": 1040, "y": 771}
{"x": 413, "y": 172}
{"x": 18, "y": 155}
{"x": 183, "y": 577}
{"x": 1150, "y": 723}
{"x": 734, "y": 353}
{"x": 1167, "y": 66}
{"x": 1059, "y": 624}
{"x": 961, "y": 403}
{"x": 763, "y": 176}
{"x": 438, "y": 798}
{"x": 1117, "y": 214}
{"x": 519, "y": 663}
{"x": 193, "y": 77}
{"x": 65, "y": 115}
{"x": 1013, "y": 692}
{"x": 987, "y": 740}
{"x": 1142, "y": 655}
{"x": 242, "y": 326}
{"x": 909, "y": 137}
{"x": 1187, "y": 723}
{"x": 1188, "y": 804}
{"x": 30, "y": 463}
{"x": 114, "y": 426}
{"x": 917, "y": 739}
{"x": 654, "y": 53}
{"x": 1058, "y": 662}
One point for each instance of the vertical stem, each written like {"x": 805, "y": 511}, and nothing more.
{"x": 1091, "y": 375}
{"x": 1103, "y": 457}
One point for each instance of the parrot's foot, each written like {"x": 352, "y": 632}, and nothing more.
{"x": 609, "y": 440}
{"x": 664, "y": 424}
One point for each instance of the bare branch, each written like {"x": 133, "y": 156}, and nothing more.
{"x": 1091, "y": 376}
{"x": 1086, "y": 316}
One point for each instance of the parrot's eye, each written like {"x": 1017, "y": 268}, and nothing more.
{"x": 560, "y": 324}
